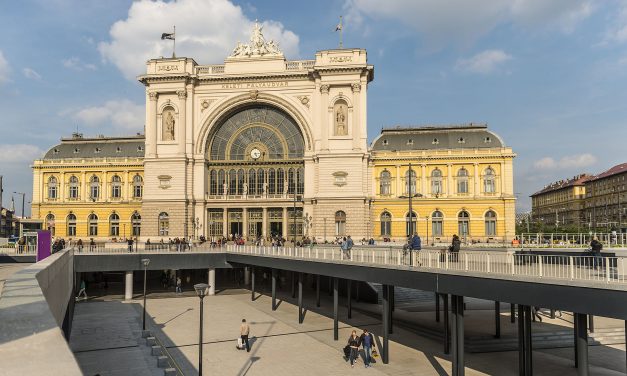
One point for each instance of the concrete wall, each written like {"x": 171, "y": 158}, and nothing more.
{"x": 33, "y": 305}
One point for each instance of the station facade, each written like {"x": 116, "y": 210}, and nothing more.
{"x": 261, "y": 146}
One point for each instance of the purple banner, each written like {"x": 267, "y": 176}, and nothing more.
{"x": 44, "y": 244}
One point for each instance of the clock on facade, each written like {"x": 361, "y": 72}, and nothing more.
{"x": 255, "y": 153}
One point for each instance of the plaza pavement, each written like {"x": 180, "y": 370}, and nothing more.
{"x": 281, "y": 346}
{"x": 6, "y": 270}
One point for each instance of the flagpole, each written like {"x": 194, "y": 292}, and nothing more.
{"x": 174, "y": 43}
{"x": 341, "y": 31}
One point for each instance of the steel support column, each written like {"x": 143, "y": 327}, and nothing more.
{"x": 447, "y": 339}
{"x": 591, "y": 323}
{"x": 385, "y": 356}
{"x": 252, "y": 283}
{"x": 300, "y": 298}
{"x": 317, "y": 290}
{"x": 457, "y": 306}
{"x": 582, "y": 344}
{"x": 274, "y": 276}
{"x": 391, "y": 313}
{"x": 525, "y": 362}
{"x": 293, "y": 284}
{"x": 335, "y": 302}
{"x": 497, "y": 319}
{"x": 437, "y": 307}
{"x": 512, "y": 315}
{"x": 348, "y": 298}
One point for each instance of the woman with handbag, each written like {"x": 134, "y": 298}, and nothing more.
{"x": 353, "y": 344}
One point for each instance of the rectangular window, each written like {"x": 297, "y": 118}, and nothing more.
{"x": 436, "y": 228}
{"x": 93, "y": 229}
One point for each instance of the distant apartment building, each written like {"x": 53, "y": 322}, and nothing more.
{"x": 586, "y": 202}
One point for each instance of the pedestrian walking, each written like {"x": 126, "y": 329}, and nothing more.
{"x": 129, "y": 242}
{"x": 595, "y": 248}
{"x": 344, "y": 248}
{"x": 244, "y": 331}
{"x": 82, "y": 291}
{"x": 454, "y": 248}
{"x": 535, "y": 313}
{"x": 349, "y": 246}
{"x": 178, "y": 285}
{"x": 367, "y": 342}
{"x": 353, "y": 344}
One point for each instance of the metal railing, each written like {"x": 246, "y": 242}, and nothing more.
{"x": 577, "y": 240}
{"x": 19, "y": 250}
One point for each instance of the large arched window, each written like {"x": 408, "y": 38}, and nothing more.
{"x": 463, "y": 223}
{"x": 164, "y": 224}
{"x": 271, "y": 181}
{"x": 436, "y": 182}
{"x": 462, "y": 181}
{"x": 136, "y": 224}
{"x": 92, "y": 225}
{"x": 116, "y": 187}
{"x": 52, "y": 188}
{"x": 94, "y": 188}
{"x": 138, "y": 186}
{"x": 232, "y": 182}
{"x": 50, "y": 223}
{"x": 221, "y": 182}
{"x": 410, "y": 182}
{"x": 71, "y": 225}
{"x": 291, "y": 181}
{"x": 489, "y": 181}
{"x": 73, "y": 188}
{"x": 436, "y": 223}
{"x": 280, "y": 180}
{"x": 340, "y": 223}
{"x": 240, "y": 181}
{"x": 490, "y": 223}
{"x": 114, "y": 225}
{"x": 410, "y": 226}
{"x": 300, "y": 180}
{"x": 386, "y": 224}
{"x": 252, "y": 182}
{"x": 385, "y": 182}
{"x": 260, "y": 181}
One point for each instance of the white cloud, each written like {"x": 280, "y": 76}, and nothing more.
{"x": 4, "y": 68}
{"x": 462, "y": 21}
{"x": 31, "y": 74}
{"x": 567, "y": 162}
{"x": 617, "y": 29}
{"x": 484, "y": 62}
{"x": 12, "y": 153}
{"x": 122, "y": 115}
{"x": 77, "y": 64}
{"x": 207, "y": 30}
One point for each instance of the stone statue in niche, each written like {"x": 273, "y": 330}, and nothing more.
{"x": 341, "y": 128}
{"x": 225, "y": 189}
{"x": 245, "y": 189}
{"x": 168, "y": 125}
{"x": 265, "y": 188}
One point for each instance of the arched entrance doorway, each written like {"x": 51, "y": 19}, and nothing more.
{"x": 255, "y": 175}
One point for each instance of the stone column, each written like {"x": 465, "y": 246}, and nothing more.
{"x": 244, "y": 223}
{"x": 398, "y": 180}
{"x": 128, "y": 285}
{"x": 83, "y": 191}
{"x": 126, "y": 182}
{"x": 423, "y": 179}
{"x": 212, "y": 281}
{"x": 501, "y": 177}
{"x": 246, "y": 276}
{"x": 476, "y": 179}
{"x": 104, "y": 190}
{"x": 285, "y": 223}
{"x": 225, "y": 223}
{"x": 264, "y": 224}
{"x": 151, "y": 125}
{"x": 324, "y": 115}
{"x": 356, "y": 118}
{"x": 182, "y": 123}
{"x": 449, "y": 180}
{"x": 61, "y": 193}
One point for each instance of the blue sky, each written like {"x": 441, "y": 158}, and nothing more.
{"x": 549, "y": 76}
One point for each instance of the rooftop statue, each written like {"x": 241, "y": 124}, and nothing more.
{"x": 257, "y": 46}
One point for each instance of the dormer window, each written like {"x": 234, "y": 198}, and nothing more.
{"x": 76, "y": 150}
{"x": 461, "y": 140}
{"x": 410, "y": 142}
{"x": 55, "y": 151}
{"x": 97, "y": 150}
{"x": 435, "y": 141}
{"x": 118, "y": 149}
{"x": 385, "y": 142}
{"x": 487, "y": 140}
{"x": 140, "y": 148}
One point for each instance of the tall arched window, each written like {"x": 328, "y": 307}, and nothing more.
{"x": 386, "y": 224}
{"x": 73, "y": 188}
{"x": 136, "y": 224}
{"x": 94, "y": 188}
{"x": 300, "y": 180}
{"x": 490, "y": 223}
{"x": 410, "y": 226}
{"x": 410, "y": 178}
{"x": 213, "y": 182}
{"x": 232, "y": 182}
{"x": 280, "y": 180}
{"x": 462, "y": 181}
{"x": 260, "y": 181}
{"x": 50, "y": 223}
{"x": 436, "y": 223}
{"x": 164, "y": 224}
{"x": 92, "y": 225}
{"x": 114, "y": 225}
{"x": 385, "y": 182}
{"x": 221, "y": 182}
{"x": 271, "y": 181}
{"x": 71, "y": 225}
{"x": 291, "y": 181}
{"x": 252, "y": 182}
{"x": 52, "y": 188}
{"x": 463, "y": 223}
{"x": 489, "y": 178}
{"x": 340, "y": 223}
{"x": 116, "y": 187}
{"x": 436, "y": 182}
{"x": 138, "y": 186}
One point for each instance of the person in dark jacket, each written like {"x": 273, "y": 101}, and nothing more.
{"x": 454, "y": 247}
{"x": 353, "y": 344}
{"x": 367, "y": 342}
{"x": 595, "y": 248}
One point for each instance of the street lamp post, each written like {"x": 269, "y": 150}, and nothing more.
{"x": 145, "y": 262}
{"x": 201, "y": 291}
{"x": 411, "y": 195}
